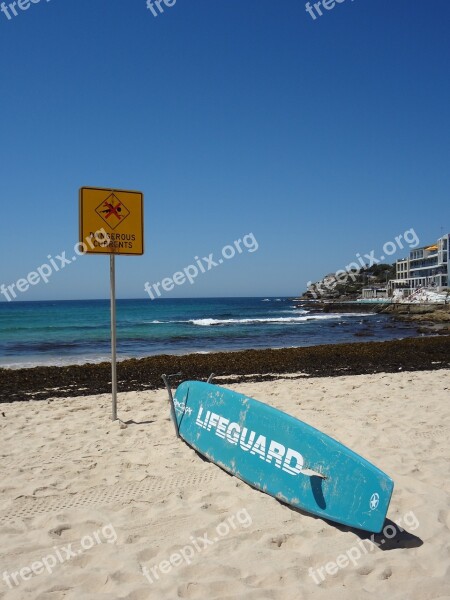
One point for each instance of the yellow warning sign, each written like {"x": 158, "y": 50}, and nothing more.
{"x": 111, "y": 221}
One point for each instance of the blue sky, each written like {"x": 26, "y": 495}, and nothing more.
{"x": 324, "y": 138}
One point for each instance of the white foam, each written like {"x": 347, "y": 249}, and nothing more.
{"x": 286, "y": 320}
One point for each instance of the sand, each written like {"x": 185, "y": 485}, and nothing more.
{"x": 92, "y": 509}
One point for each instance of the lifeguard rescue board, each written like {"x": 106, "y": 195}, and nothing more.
{"x": 282, "y": 456}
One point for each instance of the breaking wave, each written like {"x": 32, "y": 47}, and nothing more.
{"x": 256, "y": 321}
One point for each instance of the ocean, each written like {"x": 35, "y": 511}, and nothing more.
{"x": 76, "y": 332}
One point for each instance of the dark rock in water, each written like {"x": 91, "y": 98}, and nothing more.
{"x": 364, "y": 333}
{"x": 410, "y": 354}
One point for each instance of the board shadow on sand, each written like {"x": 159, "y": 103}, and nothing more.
{"x": 401, "y": 539}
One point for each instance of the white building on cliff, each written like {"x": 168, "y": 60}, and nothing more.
{"x": 425, "y": 267}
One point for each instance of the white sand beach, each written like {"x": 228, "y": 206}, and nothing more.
{"x": 88, "y": 504}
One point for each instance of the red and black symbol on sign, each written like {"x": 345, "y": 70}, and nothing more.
{"x": 112, "y": 211}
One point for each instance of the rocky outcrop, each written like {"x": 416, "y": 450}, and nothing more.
{"x": 433, "y": 318}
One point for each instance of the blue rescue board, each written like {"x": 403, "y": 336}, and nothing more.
{"x": 282, "y": 456}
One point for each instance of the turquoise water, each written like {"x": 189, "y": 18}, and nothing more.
{"x": 76, "y": 332}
